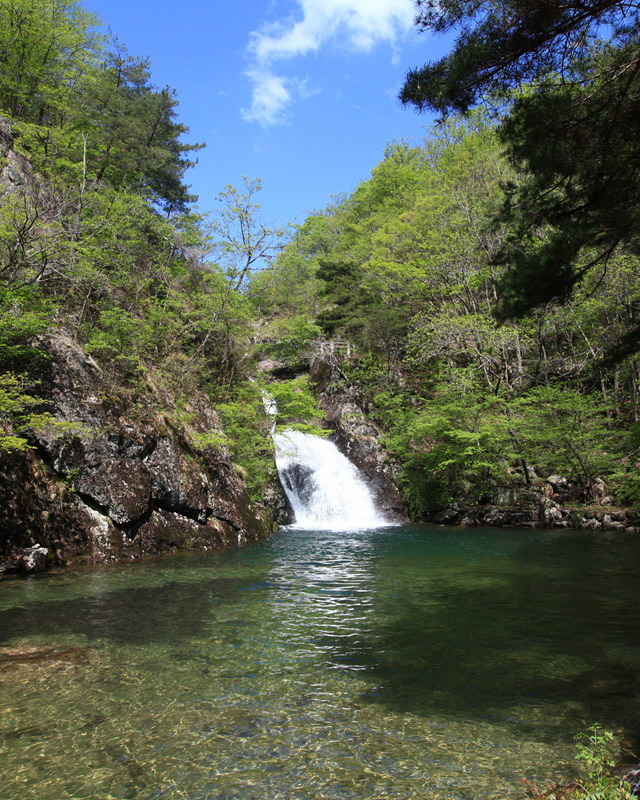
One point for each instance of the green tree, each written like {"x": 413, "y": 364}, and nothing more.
{"x": 289, "y": 284}
{"x": 568, "y": 74}
{"x": 45, "y": 48}
{"x": 293, "y": 339}
{"x": 449, "y": 446}
{"x": 563, "y": 431}
{"x": 138, "y": 143}
{"x": 240, "y": 242}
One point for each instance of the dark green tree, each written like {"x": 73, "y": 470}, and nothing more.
{"x": 138, "y": 142}
{"x": 567, "y": 73}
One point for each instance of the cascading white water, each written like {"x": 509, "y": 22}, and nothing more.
{"x": 324, "y": 488}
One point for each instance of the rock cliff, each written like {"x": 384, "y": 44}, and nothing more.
{"x": 125, "y": 477}
{"x": 550, "y": 503}
{"x": 358, "y": 438}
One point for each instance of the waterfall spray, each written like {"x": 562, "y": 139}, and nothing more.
{"x": 324, "y": 488}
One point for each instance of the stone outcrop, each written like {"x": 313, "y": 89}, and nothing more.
{"x": 116, "y": 480}
{"x": 275, "y": 499}
{"x": 358, "y": 439}
{"x": 546, "y": 507}
{"x": 15, "y": 170}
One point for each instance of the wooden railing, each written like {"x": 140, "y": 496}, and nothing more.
{"x": 333, "y": 347}
{"x": 333, "y": 352}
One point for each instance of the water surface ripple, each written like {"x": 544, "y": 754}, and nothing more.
{"x": 395, "y": 663}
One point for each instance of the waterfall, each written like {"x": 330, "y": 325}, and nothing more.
{"x": 324, "y": 488}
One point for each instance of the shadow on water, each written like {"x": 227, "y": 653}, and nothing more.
{"x": 499, "y": 636}
{"x": 129, "y": 615}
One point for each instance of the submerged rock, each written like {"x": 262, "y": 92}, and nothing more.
{"x": 29, "y": 654}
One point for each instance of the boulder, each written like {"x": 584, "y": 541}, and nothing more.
{"x": 559, "y": 483}
{"x": 609, "y": 524}
{"x": 35, "y": 559}
{"x": 599, "y": 489}
{"x": 447, "y": 517}
{"x": 549, "y": 513}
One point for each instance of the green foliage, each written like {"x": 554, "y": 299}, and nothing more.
{"x": 44, "y": 48}
{"x": 240, "y": 242}
{"x": 368, "y": 373}
{"x": 576, "y": 200}
{"x": 595, "y": 751}
{"x": 564, "y": 432}
{"x": 344, "y": 290}
{"x": 24, "y": 314}
{"x": 84, "y": 113}
{"x": 456, "y": 442}
{"x": 501, "y": 46}
{"x": 564, "y": 77}
{"x": 293, "y": 339}
{"x": 448, "y": 447}
{"x": 121, "y": 340}
{"x": 245, "y": 424}
{"x": 139, "y": 142}
{"x": 289, "y": 284}
{"x": 625, "y": 480}
{"x": 20, "y": 412}
{"x": 213, "y": 439}
{"x": 296, "y": 404}
{"x": 15, "y": 405}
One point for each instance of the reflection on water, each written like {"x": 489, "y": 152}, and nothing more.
{"x": 394, "y": 663}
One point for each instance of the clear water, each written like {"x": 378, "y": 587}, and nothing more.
{"x": 395, "y": 663}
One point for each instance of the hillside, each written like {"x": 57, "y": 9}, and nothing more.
{"x": 131, "y": 325}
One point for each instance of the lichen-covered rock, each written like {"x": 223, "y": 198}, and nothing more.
{"x": 117, "y": 483}
{"x": 15, "y": 170}
{"x": 277, "y": 502}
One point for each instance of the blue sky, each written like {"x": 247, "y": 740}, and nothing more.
{"x": 301, "y": 93}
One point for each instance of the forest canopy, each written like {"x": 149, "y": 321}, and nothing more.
{"x": 563, "y": 77}
{"x": 78, "y": 100}
{"x": 405, "y": 268}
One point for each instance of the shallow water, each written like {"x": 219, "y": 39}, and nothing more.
{"x": 396, "y": 663}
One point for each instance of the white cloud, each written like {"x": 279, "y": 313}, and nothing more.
{"x": 356, "y": 25}
{"x": 270, "y": 97}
